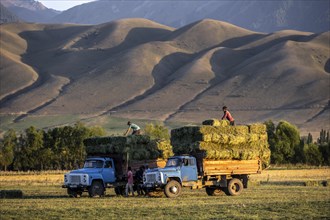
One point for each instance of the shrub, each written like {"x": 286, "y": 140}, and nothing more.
{"x": 157, "y": 131}
{"x": 312, "y": 154}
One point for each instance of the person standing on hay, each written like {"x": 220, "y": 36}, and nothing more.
{"x": 227, "y": 115}
{"x": 130, "y": 181}
{"x": 136, "y": 129}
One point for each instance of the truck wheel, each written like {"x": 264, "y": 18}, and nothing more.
{"x": 172, "y": 189}
{"x": 96, "y": 189}
{"x": 213, "y": 191}
{"x": 235, "y": 187}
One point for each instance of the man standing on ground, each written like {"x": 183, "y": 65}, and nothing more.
{"x": 136, "y": 129}
{"x": 130, "y": 182}
{"x": 139, "y": 180}
{"x": 227, "y": 115}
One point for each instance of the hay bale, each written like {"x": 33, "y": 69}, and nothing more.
{"x": 257, "y": 128}
{"x": 139, "y": 147}
{"x": 239, "y": 129}
{"x": 11, "y": 194}
{"x": 243, "y": 142}
{"x": 216, "y": 122}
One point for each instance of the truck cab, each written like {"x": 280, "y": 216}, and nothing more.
{"x": 216, "y": 176}
{"x": 178, "y": 170}
{"x": 93, "y": 177}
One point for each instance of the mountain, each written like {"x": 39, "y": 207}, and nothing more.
{"x": 261, "y": 16}
{"x": 137, "y": 68}
{"x": 30, "y": 10}
{"x": 6, "y": 16}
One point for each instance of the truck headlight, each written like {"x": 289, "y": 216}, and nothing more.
{"x": 85, "y": 178}
{"x": 65, "y": 178}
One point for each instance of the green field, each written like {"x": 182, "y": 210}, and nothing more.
{"x": 111, "y": 125}
{"x": 45, "y": 199}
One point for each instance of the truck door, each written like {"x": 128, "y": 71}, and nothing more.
{"x": 189, "y": 169}
{"x": 108, "y": 172}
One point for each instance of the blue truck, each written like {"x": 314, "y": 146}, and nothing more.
{"x": 216, "y": 176}
{"x": 103, "y": 171}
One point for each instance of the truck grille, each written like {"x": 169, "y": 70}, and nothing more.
{"x": 151, "y": 178}
{"x": 74, "y": 179}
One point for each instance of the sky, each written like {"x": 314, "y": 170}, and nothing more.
{"x": 62, "y": 5}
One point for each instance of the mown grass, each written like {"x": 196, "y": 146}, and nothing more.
{"x": 49, "y": 201}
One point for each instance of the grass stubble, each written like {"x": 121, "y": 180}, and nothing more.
{"x": 47, "y": 200}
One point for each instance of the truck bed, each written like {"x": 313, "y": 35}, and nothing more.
{"x": 230, "y": 167}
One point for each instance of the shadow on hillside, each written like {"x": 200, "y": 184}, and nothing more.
{"x": 231, "y": 61}
{"x": 47, "y": 45}
{"x": 45, "y": 53}
{"x": 327, "y": 66}
{"x": 163, "y": 74}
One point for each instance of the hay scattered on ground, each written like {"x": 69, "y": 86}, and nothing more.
{"x": 139, "y": 147}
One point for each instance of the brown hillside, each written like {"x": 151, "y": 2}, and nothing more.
{"x": 207, "y": 33}
{"x": 137, "y": 68}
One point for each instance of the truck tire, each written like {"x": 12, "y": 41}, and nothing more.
{"x": 96, "y": 189}
{"x": 235, "y": 187}
{"x": 214, "y": 191}
{"x": 72, "y": 192}
{"x": 172, "y": 189}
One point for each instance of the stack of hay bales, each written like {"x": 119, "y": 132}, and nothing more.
{"x": 218, "y": 140}
{"x": 139, "y": 147}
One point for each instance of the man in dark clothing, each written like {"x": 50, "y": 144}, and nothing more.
{"x": 227, "y": 115}
{"x": 139, "y": 180}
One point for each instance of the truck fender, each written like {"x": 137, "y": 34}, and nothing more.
{"x": 178, "y": 179}
{"x": 97, "y": 177}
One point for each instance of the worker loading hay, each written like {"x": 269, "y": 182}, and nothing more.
{"x": 218, "y": 140}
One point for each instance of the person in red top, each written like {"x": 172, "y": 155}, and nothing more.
{"x": 129, "y": 185}
{"x": 227, "y": 115}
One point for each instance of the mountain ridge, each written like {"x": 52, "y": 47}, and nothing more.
{"x": 136, "y": 68}
{"x": 260, "y": 16}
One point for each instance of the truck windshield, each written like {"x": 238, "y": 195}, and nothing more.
{"x": 93, "y": 164}
{"x": 172, "y": 163}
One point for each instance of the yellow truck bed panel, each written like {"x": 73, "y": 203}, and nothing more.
{"x": 229, "y": 167}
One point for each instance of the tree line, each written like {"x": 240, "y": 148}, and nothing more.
{"x": 287, "y": 146}
{"x": 62, "y": 148}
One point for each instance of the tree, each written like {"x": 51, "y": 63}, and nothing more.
{"x": 157, "y": 131}
{"x": 324, "y": 146}
{"x": 309, "y": 138}
{"x": 324, "y": 137}
{"x": 312, "y": 154}
{"x": 28, "y": 153}
{"x": 325, "y": 151}
{"x": 7, "y": 147}
{"x": 286, "y": 142}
